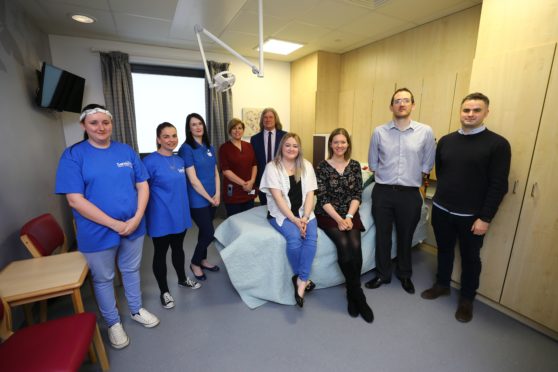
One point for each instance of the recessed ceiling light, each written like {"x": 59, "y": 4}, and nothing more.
{"x": 82, "y": 18}
{"x": 280, "y": 47}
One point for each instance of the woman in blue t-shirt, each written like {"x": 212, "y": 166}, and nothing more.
{"x": 105, "y": 183}
{"x": 203, "y": 189}
{"x": 168, "y": 212}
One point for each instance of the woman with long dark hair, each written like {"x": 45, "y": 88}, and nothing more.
{"x": 203, "y": 189}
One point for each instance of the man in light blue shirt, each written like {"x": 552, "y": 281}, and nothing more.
{"x": 401, "y": 154}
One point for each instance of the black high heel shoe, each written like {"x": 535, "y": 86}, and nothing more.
{"x": 299, "y": 300}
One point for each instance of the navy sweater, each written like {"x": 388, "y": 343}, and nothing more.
{"x": 472, "y": 173}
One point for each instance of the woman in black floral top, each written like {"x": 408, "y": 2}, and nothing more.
{"x": 339, "y": 196}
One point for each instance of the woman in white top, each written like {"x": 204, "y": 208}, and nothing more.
{"x": 289, "y": 183}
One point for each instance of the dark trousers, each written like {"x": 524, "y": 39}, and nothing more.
{"x": 161, "y": 246}
{"x": 400, "y": 206}
{"x": 203, "y": 217}
{"x": 449, "y": 229}
{"x": 233, "y": 209}
{"x": 349, "y": 255}
{"x": 263, "y": 198}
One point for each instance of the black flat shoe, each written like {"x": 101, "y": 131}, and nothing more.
{"x": 201, "y": 277}
{"x": 214, "y": 268}
{"x": 376, "y": 282}
{"x": 299, "y": 300}
{"x": 407, "y": 285}
{"x": 310, "y": 286}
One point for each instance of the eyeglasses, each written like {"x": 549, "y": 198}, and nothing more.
{"x": 401, "y": 100}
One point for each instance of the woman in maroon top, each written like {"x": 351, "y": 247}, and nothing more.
{"x": 238, "y": 164}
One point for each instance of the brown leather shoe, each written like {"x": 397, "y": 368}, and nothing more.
{"x": 464, "y": 311}
{"x": 435, "y": 292}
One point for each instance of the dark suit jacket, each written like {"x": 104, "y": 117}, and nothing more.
{"x": 257, "y": 141}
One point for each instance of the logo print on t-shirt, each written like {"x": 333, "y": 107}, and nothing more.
{"x": 125, "y": 164}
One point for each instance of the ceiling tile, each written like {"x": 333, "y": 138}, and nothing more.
{"x": 301, "y": 32}
{"x": 248, "y": 22}
{"x": 338, "y": 40}
{"x": 97, "y": 4}
{"x": 372, "y": 24}
{"x": 420, "y": 12}
{"x": 142, "y": 28}
{"x": 331, "y": 14}
{"x": 283, "y": 9}
{"x": 163, "y": 9}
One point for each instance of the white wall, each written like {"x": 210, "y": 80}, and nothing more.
{"x": 75, "y": 56}
{"x": 31, "y": 139}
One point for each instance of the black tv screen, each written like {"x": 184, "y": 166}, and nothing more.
{"x": 60, "y": 90}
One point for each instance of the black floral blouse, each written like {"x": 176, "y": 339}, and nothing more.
{"x": 338, "y": 189}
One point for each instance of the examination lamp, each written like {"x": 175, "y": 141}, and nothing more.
{"x": 224, "y": 80}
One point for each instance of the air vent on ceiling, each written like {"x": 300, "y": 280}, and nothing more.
{"x": 370, "y": 4}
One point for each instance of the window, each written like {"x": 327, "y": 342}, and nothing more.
{"x": 162, "y": 94}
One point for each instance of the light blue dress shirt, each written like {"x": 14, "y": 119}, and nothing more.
{"x": 400, "y": 157}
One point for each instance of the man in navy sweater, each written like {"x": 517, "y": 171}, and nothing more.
{"x": 472, "y": 168}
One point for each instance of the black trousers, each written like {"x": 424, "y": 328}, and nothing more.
{"x": 449, "y": 229}
{"x": 349, "y": 254}
{"x": 235, "y": 208}
{"x": 401, "y": 206}
{"x": 161, "y": 246}
{"x": 203, "y": 217}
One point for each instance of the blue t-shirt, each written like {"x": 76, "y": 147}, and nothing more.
{"x": 107, "y": 178}
{"x": 204, "y": 162}
{"x": 168, "y": 210}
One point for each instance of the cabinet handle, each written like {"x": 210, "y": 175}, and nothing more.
{"x": 535, "y": 185}
{"x": 515, "y": 186}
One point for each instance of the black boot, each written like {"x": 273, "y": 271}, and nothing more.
{"x": 352, "y": 307}
{"x": 363, "y": 308}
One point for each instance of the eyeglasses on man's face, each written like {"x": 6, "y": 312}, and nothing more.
{"x": 399, "y": 101}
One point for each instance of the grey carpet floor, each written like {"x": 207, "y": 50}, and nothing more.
{"x": 211, "y": 329}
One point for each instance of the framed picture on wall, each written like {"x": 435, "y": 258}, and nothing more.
{"x": 251, "y": 119}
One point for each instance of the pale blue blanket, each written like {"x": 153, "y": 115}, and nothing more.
{"x": 254, "y": 254}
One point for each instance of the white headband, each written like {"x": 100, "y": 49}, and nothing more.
{"x": 94, "y": 111}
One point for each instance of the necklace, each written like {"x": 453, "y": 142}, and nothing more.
{"x": 171, "y": 165}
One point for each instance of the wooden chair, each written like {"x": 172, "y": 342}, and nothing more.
{"x": 55, "y": 345}
{"x": 42, "y": 236}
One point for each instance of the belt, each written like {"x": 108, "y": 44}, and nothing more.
{"x": 397, "y": 187}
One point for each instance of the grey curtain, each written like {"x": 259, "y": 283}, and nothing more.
{"x": 218, "y": 107}
{"x": 119, "y": 96}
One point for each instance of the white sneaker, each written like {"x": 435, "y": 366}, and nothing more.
{"x": 189, "y": 283}
{"x": 117, "y": 336}
{"x": 167, "y": 301}
{"x": 145, "y": 318}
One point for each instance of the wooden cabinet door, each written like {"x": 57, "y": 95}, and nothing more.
{"x": 531, "y": 286}
{"x": 516, "y": 84}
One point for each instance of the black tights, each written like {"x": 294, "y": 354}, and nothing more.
{"x": 161, "y": 245}
{"x": 349, "y": 254}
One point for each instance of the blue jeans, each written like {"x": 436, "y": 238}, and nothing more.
{"x": 101, "y": 264}
{"x": 300, "y": 252}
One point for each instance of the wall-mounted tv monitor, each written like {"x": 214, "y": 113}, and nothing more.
{"x": 60, "y": 90}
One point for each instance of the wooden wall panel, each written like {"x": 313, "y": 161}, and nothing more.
{"x": 424, "y": 58}
{"x": 436, "y": 102}
{"x": 530, "y": 286}
{"x": 508, "y": 25}
{"x": 511, "y": 80}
